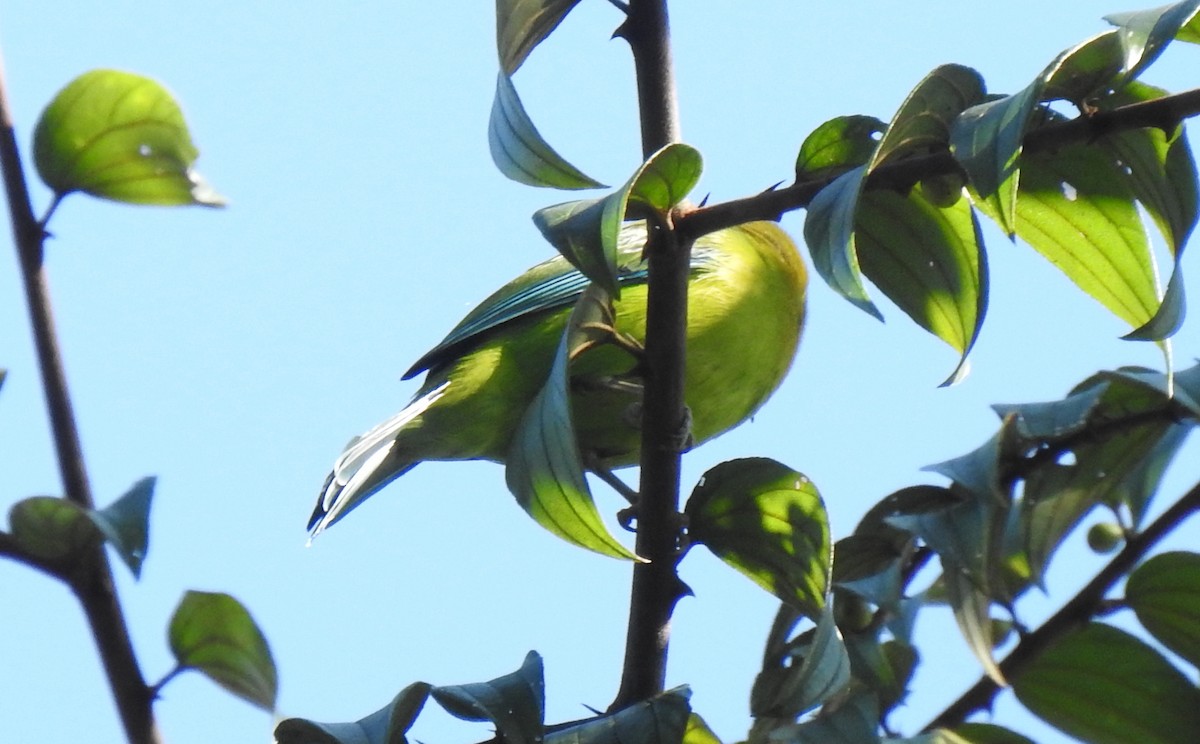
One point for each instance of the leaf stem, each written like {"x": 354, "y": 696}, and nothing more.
{"x": 656, "y": 586}
{"x": 93, "y": 582}
{"x": 1077, "y": 612}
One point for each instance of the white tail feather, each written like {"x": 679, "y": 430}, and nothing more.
{"x": 355, "y": 475}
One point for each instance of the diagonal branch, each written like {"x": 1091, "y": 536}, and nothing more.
{"x": 1162, "y": 113}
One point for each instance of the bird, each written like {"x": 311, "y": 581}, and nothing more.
{"x": 746, "y": 310}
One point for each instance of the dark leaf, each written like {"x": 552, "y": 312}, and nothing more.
{"x": 385, "y": 726}
{"x": 663, "y": 719}
{"x": 1165, "y": 593}
{"x": 816, "y": 667}
{"x": 515, "y": 703}
{"x": 126, "y": 524}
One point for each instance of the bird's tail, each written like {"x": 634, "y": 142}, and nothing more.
{"x": 367, "y": 465}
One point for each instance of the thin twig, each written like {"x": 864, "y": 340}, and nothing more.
{"x": 92, "y": 580}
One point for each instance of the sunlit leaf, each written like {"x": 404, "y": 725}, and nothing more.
{"x": 385, "y": 726}
{"x": 698, "y": 732}
{"x": 1104, "y": 686}
{"x": 816, "y": 667}
{"x": 519, "y": 150}
{"x": 522, "y": 24}
{"x": 923, "y": 122}
{"x": 515, "y": 703}
{"x": 119, "y": 136}
{"x": 544, "y": 469}
{"x": 662, "y": 719}
{"x": 588, "y": 232}
{"x": 928, "y": 260}
{"x": 51, "y": 529}
{"x": 215, "y": 635}
{"x": 767, "y": 521}
{"x": 1165, "y": 593}
{"x": 838, "y": 144}
{"x": 1144, "y": 33}
{"x": 126, "y": 524}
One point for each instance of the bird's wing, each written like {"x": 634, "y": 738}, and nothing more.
{"x": 551, "y": 285}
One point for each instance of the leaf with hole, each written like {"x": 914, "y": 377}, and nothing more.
{"x": 215, "y": 635}
{"x": 1105, "y": 686}
{"x": 387, "y": 725}
{"x": 519, "y": 150}
{"x": 767, "y": 521}
{"x": 837, "y": 145}
{"x": 119, "y": 136}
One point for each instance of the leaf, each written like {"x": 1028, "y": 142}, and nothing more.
{"x": 1162, "y": 176}
{"x": 855, "y": 721}
{"x": 929, "y": 261}
{"x": 869, "y": 566}
{"x": 588, "y": 232}
{"x": 544, "y": 470}
{"x": 698, "y": 732}
{"x": 522, "y": 24}
{"x": 215, "y": 635}
{"x": 987, "y": 733}
{"x": 972, "y": 611}
{"x": 126, "y": 524}
{"x": 385, "y": 726}
{"x": 1145, "y": 33}
{"x": 516, "y": 702}
{"x": 838, "y": 144}
{"x": 1165, "y": 593}
{"x": 519, "y": 150}
{"x": 1104, "y": 686}
{"x": 923, "y": 122}
{"x": 1053, "y": 419}
{"x": 662, "y": 719}
{"x": 829, "y": 233}
{"x": 816, "y": 667}
{"x": 119, "y": 136}
{"x": 767, "y": 521}
{"x": 52, "y": 529}
{"x": 1077, "y": 210}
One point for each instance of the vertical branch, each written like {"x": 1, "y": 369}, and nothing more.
{"x": 656, "y": 586}
{"x": 93, "y": 581}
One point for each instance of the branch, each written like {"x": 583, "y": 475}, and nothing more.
{"x": 656, "y": 585}
{"x": 1162, "y": 113}
{"x": 1074, "y": 614}
{"x": 92, "y": 582}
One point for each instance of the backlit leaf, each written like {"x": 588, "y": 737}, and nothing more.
{"x": 1104, "y": 686}
{"x": 767, "y": 521}
{"x": 519, "y": 150}
{"x": 51, "y": 528}
{"x": 838, "y": 144}
{"x": 923, "y": 122}
{"x": 215, "y": 635}
{"x": 522, "y": 24}
{"x": 544, "y": 469}
{"x": 1165, "y": 593}
{"x": 119, "y": 136}
{"x": 515, "y": 703}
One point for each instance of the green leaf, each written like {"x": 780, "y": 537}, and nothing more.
{"x": 923, "y": 122}
{"x": 929, "y": 261}
{"x": 119, "y": 136}
{"x": 1162, "y": 176}
{"x": 1145, "y": 33}
{"x": 126, "y": 524}
{"x": 767, "y": 521}
{"x": 829, "y": 233}
{"x": 52, "y": 529}
{"x": 215, "y": 635}
{"x": 836, "y": 145}
{"x": 519, "y": 150}
{"x": 1165, "y": 593}
{"x": 588, "y": 232}
{"x": 522, "y": 24}
{"x": 662, "y": 719}
{"x": 855, "y": 721}
{"x": 385, "y": 726}
{"x": 515, "y": 703}
{"x": 815, "y": 667}
{"x": 1104, "y": 686}
{"x": 698, "y": 732}
{"x": 869, "y": 566}
{"x": 987, "y": 733}
{"x": 1077, "y": 210}
{"x": 544, "y": 469}
{"x": 972, "y": 611}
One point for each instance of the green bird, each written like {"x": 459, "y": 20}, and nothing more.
{"x": 746, "y": 298}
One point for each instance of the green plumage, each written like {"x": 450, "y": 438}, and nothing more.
{"x": 746, "y": 300}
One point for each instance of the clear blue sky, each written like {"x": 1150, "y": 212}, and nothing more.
{"x": 232, "y": 353}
